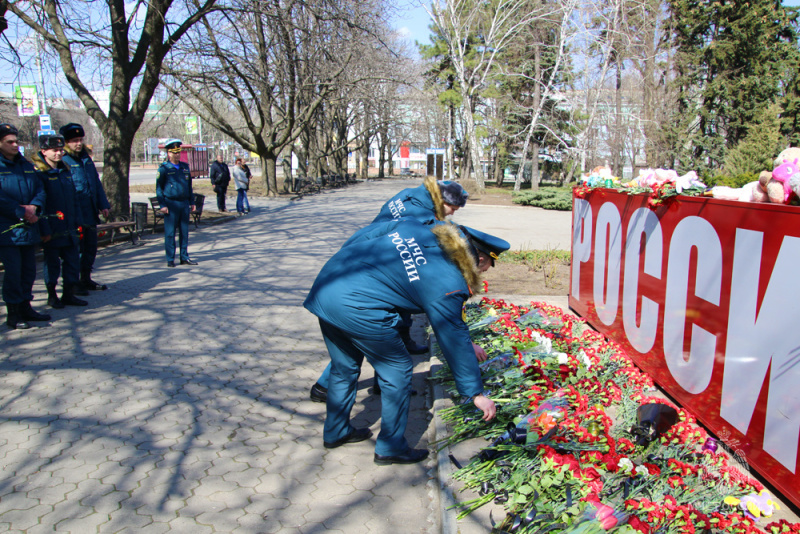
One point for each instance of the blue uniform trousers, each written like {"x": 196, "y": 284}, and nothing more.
{"x": 54, "y": 258}
{"x": 393, "y": 364}
{"x": 405, "y": 321}
{"x": 88, "y": 248}
{"x": 19, "y": 265}
{"x": 177, "y": 218}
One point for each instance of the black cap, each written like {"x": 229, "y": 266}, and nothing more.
{"x": 490, "y": 245}
{"x": 8, "y": 129}
{"x": 51, "y": 140}
{"x": 71, "y": 131}
{"x": 453, "y": 193}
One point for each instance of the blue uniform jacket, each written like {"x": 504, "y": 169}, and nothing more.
{"x": 19, "y": 185}
{"x": 61, "y": 197}
{"x": 423, "y": 203}
{"x": 174, "y": 184}
{"x": 403, "y": 265}
{"x": 90, "y": 193}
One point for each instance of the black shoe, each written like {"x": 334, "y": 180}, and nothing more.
{"x": 358, "y": 434}
{"x": 29, "y": 314}
{"x": 188, "y": 262}
{"x": 14, "y": 319}
{"x": 411, "y": 456}
{"x": 170, "y": 264}
{"x": 68, "y": 298}
{"x": 52, "y": 298}
{"x": 91, "y": 285}
{"x": 319, "y": 393}
{"x": 413, "y": 348}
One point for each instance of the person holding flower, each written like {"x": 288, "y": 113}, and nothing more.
{"x": 390, "y": 267}
{"x": 22, "y": 200}
{"x": 92, "y": 200}
{"x": 59, "y": 227}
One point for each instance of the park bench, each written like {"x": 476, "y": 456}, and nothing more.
{"x": 115, "y": 227}
{"x": 199, "y": 201}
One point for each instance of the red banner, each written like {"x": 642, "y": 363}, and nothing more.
{"x": 700, "y": 293}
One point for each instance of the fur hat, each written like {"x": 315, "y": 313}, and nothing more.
{"x": 71, "y": 131}
{"x": 51, "y": 140}
{"x": 453, "y": 193}
{"x": 7, "y": 129}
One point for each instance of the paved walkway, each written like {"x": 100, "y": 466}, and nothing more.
{"x": 178, "y": 400}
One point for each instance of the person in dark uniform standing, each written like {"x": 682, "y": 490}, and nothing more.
{"x": 59, "y": 227}
{"x": 174, "y": 191}
{"x": 22, "y": 200}
{"x": 220, "y": 177}
{"x": 92, "y": 201}
{"x": 428, "y": 203}
{"x": 396, "y": 266}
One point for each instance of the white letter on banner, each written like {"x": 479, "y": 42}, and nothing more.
{"x": 643, "y": 223}
{"x": 692, "y": 232}
{"x": 581, "y": 241}
{"x": 608, "y": 235}
{"x": 764, "y": 338}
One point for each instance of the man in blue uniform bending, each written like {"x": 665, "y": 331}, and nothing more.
{"x": 428, "y": 203}
{"x": 174, "y": 192}
{"x": 398, "y": 266}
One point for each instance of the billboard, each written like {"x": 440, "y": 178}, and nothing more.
{"x": 700, "y": 294}
{"x": 27, "y": 100}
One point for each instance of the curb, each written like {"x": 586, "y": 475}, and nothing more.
{"x": 449, "y": 523}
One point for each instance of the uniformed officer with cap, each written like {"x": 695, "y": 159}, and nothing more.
{"x": 59, "y": 225}
{"x": 174, "y": 191}
{"x": 92, "y": 201}
{"x": 428, "y": 203}
{"x": 22, "y": 200}
{"x": 392, "y": 267}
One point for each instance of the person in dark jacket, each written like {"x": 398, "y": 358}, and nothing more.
{"x": 92, "y": 201}
{"x": 220, "y": 176}
{"x": 396, "y": 266}
{"x": 22, "y": 200}
{"x": 174, "y": 192}
{"x": 429, "y": 203}
{"x": 59, "y": 225}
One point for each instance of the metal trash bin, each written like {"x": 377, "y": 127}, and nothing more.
{"x": 139, "y": 214}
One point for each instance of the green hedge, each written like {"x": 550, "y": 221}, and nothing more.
{"x": 549, "y": 198}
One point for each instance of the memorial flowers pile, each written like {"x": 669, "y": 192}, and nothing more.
{"x": 582, "y": 441}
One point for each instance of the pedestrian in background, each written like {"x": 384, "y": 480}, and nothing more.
{"x": 220, "y": 177}
{"x": 174, "y": 192}
{"x": 92, "y": 201}
{"x": 59, "y": 225}
{"x": 242, "y": 182}
{"x": 22, "y": 200}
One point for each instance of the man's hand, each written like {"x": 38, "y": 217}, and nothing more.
{"x": 194, "y": 208}
{"x": 30, "y": 213}
{"x": 486, "y": 405}
{"x": 105, "y": 213}
{"x": 164, "y": 210}
{"x": 480, "y": 354}
{"x": 46, "y": 238}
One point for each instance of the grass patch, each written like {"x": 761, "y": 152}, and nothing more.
{"x": 546, "y": 262}
{"x": 549, "y": 198}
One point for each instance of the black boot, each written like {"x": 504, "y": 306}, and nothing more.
{"x": 411, "y": 345}
{"x": 52, "y": 298}
{"x": 68, "y": 296}
{"x": 319, "y": 393}
{"x": 14, "y": 319}
{"x": 29, "y": 314}
{"x": 88, "y": 284}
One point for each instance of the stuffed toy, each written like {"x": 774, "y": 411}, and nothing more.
{"x": 755, "y": 505}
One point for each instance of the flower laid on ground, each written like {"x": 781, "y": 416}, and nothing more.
{"x": 582, "y": 444}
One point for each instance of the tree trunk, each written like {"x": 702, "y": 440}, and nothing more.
{"x": 269, "y": 168}
{"x": 116, "y": 166}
